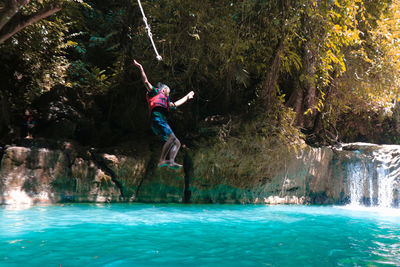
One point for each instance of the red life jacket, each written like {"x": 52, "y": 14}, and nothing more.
{"x": 159, "y": 100}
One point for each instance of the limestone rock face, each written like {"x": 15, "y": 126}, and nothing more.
{"x": 40, "y": 175}
{"x": 27, "y": 174}
{"x": 232, "y": 173}
{"x": 310, "y": 175}
{"x": 162, "y": 185}
{"x": 86, "y": 182}
{"x": 127, "y": 171}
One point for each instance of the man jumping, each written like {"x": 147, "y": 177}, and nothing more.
{"x": 159, "y": 106}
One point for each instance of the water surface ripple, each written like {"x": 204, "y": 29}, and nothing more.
{"x": 198, "y": 235}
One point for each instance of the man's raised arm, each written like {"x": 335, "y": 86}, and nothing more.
{"x": 146, "y": 82}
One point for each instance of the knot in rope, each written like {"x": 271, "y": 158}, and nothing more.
{"x": 147, "y": 27}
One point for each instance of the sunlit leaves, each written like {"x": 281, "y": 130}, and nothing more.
{"x": 342, "y": 51}
{"x": 374, "y": 64}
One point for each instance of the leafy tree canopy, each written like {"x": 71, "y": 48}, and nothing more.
{"x": 314, "y": 65}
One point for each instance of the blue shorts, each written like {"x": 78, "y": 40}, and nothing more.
{"x": 160, "y": 127}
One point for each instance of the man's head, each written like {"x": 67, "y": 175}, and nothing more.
{"x": 164, "y": 88}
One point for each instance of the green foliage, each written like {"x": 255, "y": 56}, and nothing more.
{"x": 33, "y": 62}
{"x": 327, "y": 60}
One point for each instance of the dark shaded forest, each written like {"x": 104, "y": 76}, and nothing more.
{"x": 323, "y": 71}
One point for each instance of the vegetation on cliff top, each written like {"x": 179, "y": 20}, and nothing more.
{"x": 322, "y": 70}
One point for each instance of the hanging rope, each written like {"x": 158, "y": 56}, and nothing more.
{"x": 159, "y": 58}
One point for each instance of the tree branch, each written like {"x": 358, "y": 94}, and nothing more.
{"x": 18, "y": 23}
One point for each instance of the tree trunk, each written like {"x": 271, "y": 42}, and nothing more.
{"x": 319, "y": 128}
{"x": 296, "y": 102}
{"x": 310, "y": 99}
{"x": 4, "y": 116}
{"x": 273, "y": 74}
{"x": 304, "y": 96}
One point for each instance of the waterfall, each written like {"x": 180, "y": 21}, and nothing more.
{"x": 356, "y": 175}
{"x": 373, "y": 174}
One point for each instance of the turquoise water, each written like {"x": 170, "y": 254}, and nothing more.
{"x": 197, "y": 235}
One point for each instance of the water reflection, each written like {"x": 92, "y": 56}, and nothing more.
{"x": 15, "y": 207}
{"x": 18, "y": 197}
{"x": 392, "y": 214}
{"x": 387, "y": 245}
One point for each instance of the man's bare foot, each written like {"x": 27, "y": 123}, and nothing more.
{"x": 174, "y": 166}
{"x": 163, "y": 163}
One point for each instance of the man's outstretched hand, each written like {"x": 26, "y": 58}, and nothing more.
{"x": 190, "y": 95}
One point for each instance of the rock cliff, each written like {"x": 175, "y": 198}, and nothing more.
{"x": 230, "y": 173}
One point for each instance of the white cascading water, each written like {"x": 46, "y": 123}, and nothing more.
{"x": 356, "y": 178}
{"x": 385, "y": 181}
{"x": 373, "y": 176}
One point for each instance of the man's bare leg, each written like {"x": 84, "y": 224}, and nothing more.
{"x": 176, "y": 145}
{"x": 165, "y": 150}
